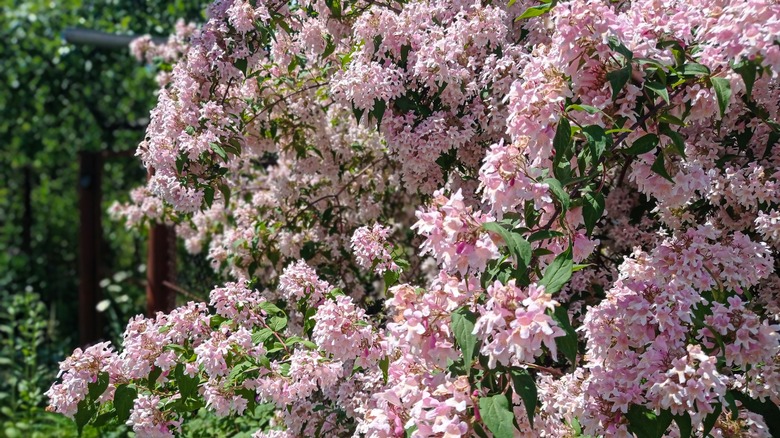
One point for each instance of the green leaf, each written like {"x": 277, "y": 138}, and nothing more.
{"x": 562, "y": 171}
{"x": 384, "y": 365}
{"x": 644, "y": 423}
{"x": 525, "y": 387}
{"x": 642, "y": 145}
{"x": 264, "y": 362}
{"x": 617, "y": 130}
{"x": 262, "y": 335}
{"x": 216, "y": 321}
{"x": 617, "y": 46}
{"x": 748, "y": 71}
{"x": 652, "y": 62}
{"x": 694, "y": 69}
{"x": 237, "y": 371}
{"x": 124, "y": 397}
{"x": 592, "y": 209}
{"x": 86, "y": 410}
{"x": 218, "y": 150}
{"x": 294, "y": 340}
{"x": 598, "y": 140}
{"x": 497, "y": 415}
{"x": 330, "y": 46}
{"x": 576, "y": 427}
{"x": 668, "y": 118}
{"x": 618, "y": 79}
{"x": 404, "y": 104}
{"x": 711, "y": 419}
{"x": 379, "y": 111}
{"x": 731, "y": 402}
{"x": 534, "y": 11}
{"x": 677, "y": 50}
{"x": 241, "y": 64}
{"x": 463, "y": 321}
{"x": 270, "y": 308}
{"x": 568, "y": 344}
{"x": 336, "y": 292}
{"x": 188, "y": 386}
{"x": 518, "y": 247}
{"x": 767, "y": 409}
{"x": 234, "y": 146}
{"x": 357, "y": 112}
{"x": 151, "y": 380}
{"x": 579, "y": 107}
{"x": 277, "y": 323}
{"x": 722, "y": 88}
{"x": 557, "y": 190}
{"x": 103, "y": 418}
{"x": 659, "y": 167}
{"x": 335, "y": 7}
{"x": 544, "y": 235}
{"x": 225, "y": 190}
{"x": 309, "y": 250}
{"x": 684, "y": 424}
{"x": 677, "y": 140}
{"x": 391, "y": 278}
{"x": 98, "y": 387}
{"x": 480, "y": 431}
{"x": 180, "y": 163}
{"x": 562, "y": 139}
{"x": 208, "y": 195}
{"x": 580, "y": 266}
{"x": 558, "y": 272}
{"x": 659, "y": 89}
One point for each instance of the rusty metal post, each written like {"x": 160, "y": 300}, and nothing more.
{"x": 90, "y": 235}
{"x": 160, "y": 269}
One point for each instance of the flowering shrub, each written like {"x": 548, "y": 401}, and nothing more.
{"x": 451, "y": 218}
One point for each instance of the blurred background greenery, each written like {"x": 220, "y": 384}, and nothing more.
{"x": 57, "y": 99}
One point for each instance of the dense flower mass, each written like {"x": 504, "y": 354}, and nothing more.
{"x": 371, "y": 249}
{"x": 514, "y": 324}
{"x": 452, "y": 218}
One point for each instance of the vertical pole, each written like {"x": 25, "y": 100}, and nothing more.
{"x": 90, "y": 234}
{"x": 160, "y": 267}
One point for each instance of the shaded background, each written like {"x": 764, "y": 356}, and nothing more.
{"x": 58, "y": 100}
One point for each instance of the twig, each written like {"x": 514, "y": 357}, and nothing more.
{"x": 184, "y": 292}
{"x": 384, "y": 5}
{"x": 276, "y": 335}
{"x": 274, "y": 103}
{"x": 554, "y": 371}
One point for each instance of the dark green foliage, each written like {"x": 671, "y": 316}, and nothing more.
{"x": 57, "y": 100}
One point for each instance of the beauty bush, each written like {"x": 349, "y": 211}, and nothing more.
{"x": 446, "y": 218}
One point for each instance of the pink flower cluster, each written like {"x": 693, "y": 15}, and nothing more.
{"x": 506, "y": 182}
{"x": 300, "y": 282}
{"x": 515, "y": 325}
{"x": 372, "y": 250}
{"x": 238, "y": 303}
{"x": 343, "y": 331}
{"x": 453, "y": 234}
{"x": 283, "y": 131}
{"x": 148, "y": 420}
{"x": 77, "y": 372}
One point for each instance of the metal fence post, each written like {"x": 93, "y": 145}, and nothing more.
{"x": 90, "y": 236}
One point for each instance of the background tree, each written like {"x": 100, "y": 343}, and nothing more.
{"x": 56, "y": 100}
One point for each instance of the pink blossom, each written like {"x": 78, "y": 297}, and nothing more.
{"x": 372, "y": 250}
